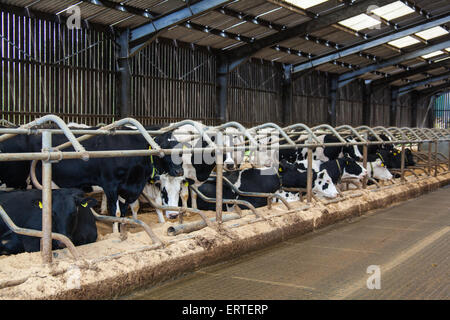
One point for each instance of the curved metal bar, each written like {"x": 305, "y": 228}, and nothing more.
{"x": 37, "y": 233}
{"x": 240, "y": 127}
{"x": 383, "y": 129}
{"x": 410, "y": 131}
{"x": 431, "y": 131}
{"x": 353, "y": 131}
{"x": 303, "y": 126}
{"x": 226, "y": 201}
{"x": 371, "y": 131}
{"x": 327, "y": 126}
{"x": 201, "y": 131}
{"x": 276, "y": 127}
{"x": 147, "y": 229}
{"x": 6, "y": 123}
{"x": 257, "y": 194}
{"x": 62, "y": 125}
{"x": 399, "y": 131}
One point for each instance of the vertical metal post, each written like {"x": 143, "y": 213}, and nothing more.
{"x": 219, "y": 175}
{"x": 393, "y": 110}
{"x": 435, "y": 158}
{"x": 124, "y": 81}
{"x": 448, "y": 164}
{"x": 365, "y": 148}
{"x": 403, "y": 164}
{"x": 414, "y": 99}
{"x": 366, "y": 99}
{"x": 309, "y": 173}
{"x": 46, "y": 240}
{"x": 430, "y": 144}
{"x": 286, "y": 95}
{"x": 222, "y": 89}
{"x": 332, "y": 116}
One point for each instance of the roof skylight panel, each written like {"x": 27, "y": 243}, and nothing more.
{"x": 305, "y": 4}
{"x": 433, "y": 54}
{"x": 393, "y": 10}
{"x": 360, "y": 22}
{"x": 432, "y": 33}
{"x": 404, "y": 42}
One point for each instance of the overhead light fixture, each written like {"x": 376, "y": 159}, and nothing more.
{"x": 432, "y": 33}
{"x": 305, "y": 4}
{"x": 359, "y": 22}
{"x": 433, "y": 54}
{"x": 392, "y": 11}
{"x": 404, "y": 42}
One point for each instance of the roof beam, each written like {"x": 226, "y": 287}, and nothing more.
{"x": 342, "y": 12}
{"x": 123, "y": 8}
{"x": 349, "y": 76}
{"x": 374, "y": 42}
{"x": 434, "y": 89}
{"x": 142, "y": 33}
{"x": 411, "y": 72}
{"x": 409, "y": 87}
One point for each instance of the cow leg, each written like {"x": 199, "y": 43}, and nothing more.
{"x": 104, "y": 206}
{"x": 193, "y": 199}
{"x": 135, "y": 208}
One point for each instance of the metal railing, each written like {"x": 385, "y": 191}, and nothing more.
{"x": 305, "y": 137}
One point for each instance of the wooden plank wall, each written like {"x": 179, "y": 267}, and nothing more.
{"x": 47, "y": 68}
{"x": 254, "y": 94}
{"x": 170, "y": 84}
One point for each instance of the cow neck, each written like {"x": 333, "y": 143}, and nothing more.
{"x": 339, "y": 167}
{"x": 381, "y": 157}
{"x": 153, "y": 164}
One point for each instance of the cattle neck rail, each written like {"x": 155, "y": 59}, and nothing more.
{"x": 310, "y": 140}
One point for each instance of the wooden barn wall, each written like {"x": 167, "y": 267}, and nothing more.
{"x": 380, "y": 105}
{"x": 403, "y": 118}
{"x": 310, "y": 100}
{"x": 349, "y": 106}
{"x": 254, "y": 94}
{"x": 48, "y": 68}
{"x": 170, "y": 84}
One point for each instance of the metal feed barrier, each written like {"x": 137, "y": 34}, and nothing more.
{"x": 293, "y": 136}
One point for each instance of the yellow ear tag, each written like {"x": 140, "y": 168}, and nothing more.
{"x": 40, "y": 204}
{"x": 279, "y": 169}
{"x": 395, "y": 154}
{"x": 84, "y": 205}
{"x": 184, "y": 147}
{"x": 382, "y": 164}
{"x": 186, "y": 184}
{"x": 152, "y": 181}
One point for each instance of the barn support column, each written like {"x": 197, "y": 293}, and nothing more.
{"x": 333, "y": 100}
{"x": 286, "y": 95}
{"x": 430, "y": 119}
{"x": 124, "y": 79}
{"x": 393, "y": 109}
{"x": 366, "y": 105}
{"x": 222, "y": 90}
{"x": 414, "y": 98}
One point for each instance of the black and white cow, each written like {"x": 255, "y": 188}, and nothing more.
{"x": 71, "y": 216}
{"x": 343, "y": 168}
{"x": 377, "y": 170}
{"x": 323, "y": 154}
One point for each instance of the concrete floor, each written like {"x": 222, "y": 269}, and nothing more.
{"x": 409, "y": 242}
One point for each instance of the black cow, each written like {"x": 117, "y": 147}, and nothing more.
{"x": 120, "y": 176}
{"x": 71, "y": 216}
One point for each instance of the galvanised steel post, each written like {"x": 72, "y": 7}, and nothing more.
{"x": 435, "y": 158}
{"x": 429, "y": 157}
{"x": 309, "y": 173}
{"x": 403, "y": 164}
{"x": 219, "y": 174}
{"x": 46, "y": 241}
{"x": 365, "y": 151}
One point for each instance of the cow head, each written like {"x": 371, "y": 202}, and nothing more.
{"x": 233, "y": 158}
{"x": 166, "y": 164}
{"x": 170, "y": 188}
{"x": 351, "y": 169}
{"x": 353, "y": 150}
{"x": 324, "y": 186}
{"x": 379, "y": 170}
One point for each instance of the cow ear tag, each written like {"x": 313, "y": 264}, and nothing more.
{"x": 395, "y": 154}
{"x": 40, "y": 204}
{"x": 184, "y": 147}
{"x": 186, "y": 184}
{"x": 84, "y": 205}
{"x": 280, "y": 169}
{"x": 382, "y": 164}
